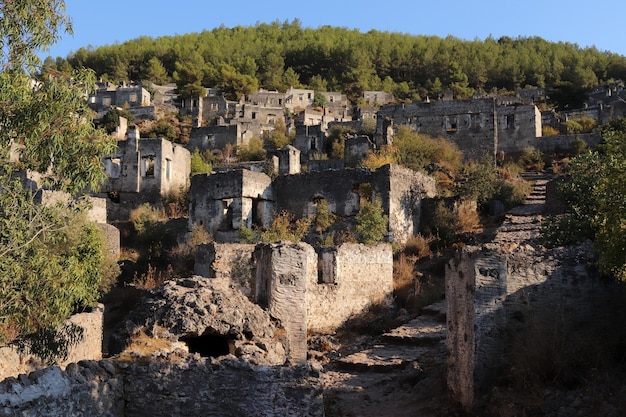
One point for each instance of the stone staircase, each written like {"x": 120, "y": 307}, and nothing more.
{"x": 425, "y": 335}
{"x": 523, "y": 223}
{"x": 411, "y": 342}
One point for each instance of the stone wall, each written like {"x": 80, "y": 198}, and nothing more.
{"x": 206, "y": 387}
{"x": 477, "y": 126}
{"x": 232, "y": 261}
{"x": 353, "y": 278}
{"x": 490, "y": 290}
{"x": 339, "y": 282}
{"x": 13, "y": 363}
{"x": 399, "y": 189}
{"x": 208, "y": 138}
{"x": 226, "y": 201}
{"x": 147, "y": 166}
{"x": 562, "y": 143}
{"x": 282, "y": 271}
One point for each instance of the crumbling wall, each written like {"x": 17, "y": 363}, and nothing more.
{"x": 407, "y": 190}
{"x": 282, "y": 271}
{"x": 351, "y": 279}
{"x": 477, "y": 126}
{"x": 227, "y": 261}
{"x": 226, "y": 201}
{"x": 13, "y": 363}
{"x": 491, "y": 290}
{"x": 191, "y": 387}
{"x": 400, "y": 191}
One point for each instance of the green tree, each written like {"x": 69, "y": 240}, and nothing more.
{"x": 253, "y": 151}
{"x": 154, "y": 71}
{"x": 198, "y": 164}
{"x": 111, "y": 119}
{"x": 50, "y": 260}
{"x": 371, "y": 222}
{"x": 596, "y": 196}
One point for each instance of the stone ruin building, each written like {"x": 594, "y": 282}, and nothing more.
{"x": 476, "y": 126}
{"x": 143, "y": 170}
{"x": 132, "y": 96}
{"x": 225, "y": 202}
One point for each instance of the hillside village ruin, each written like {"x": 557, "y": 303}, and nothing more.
{"x": 314, "y": 289}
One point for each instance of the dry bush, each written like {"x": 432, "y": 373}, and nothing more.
{"x": 141, "y": 346}
{"x": 549, "y": 131}
{"x": 510, "y": 170}
{"x": 176, "y": 203}
{"x": 152, "y": 278}
{"x": 467, "y": 218}
{"x": 418, "y": 246}
{"x": 406, "y": 286}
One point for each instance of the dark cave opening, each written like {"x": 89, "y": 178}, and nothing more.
{"x": 210, "y": 345}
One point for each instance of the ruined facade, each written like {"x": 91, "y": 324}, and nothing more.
{"x": 224, "y": 202}
{"x": 477, "y": 126}
{"x": 491, "y": 291}
{"x": 147, "y": 166}
{"x": 400, "y": 191}
{"x": 110, "y": 95}
{"x": 307, "y": 289}
{"x": 143, "y": 171}
{"x": 210, "y": 138}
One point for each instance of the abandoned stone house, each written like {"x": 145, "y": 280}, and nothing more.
{"x": 377, "y": 98}
{"x": 478, "y": 126}
{"x": 213, "y": 138}
{"x": 224, "y": 202}
{"x": 298, "y": 99}
{"x": 144, "y": 170}
{"x": 307, "y": 289}
{"x": 108, "y": 95}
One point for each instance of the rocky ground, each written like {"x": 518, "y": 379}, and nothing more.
{"x": 399, "y": 373}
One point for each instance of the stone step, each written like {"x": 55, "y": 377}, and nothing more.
{"x": 423, "y": 330}
{"x": 382, "y": 358}
{"x": 437, "y": 310}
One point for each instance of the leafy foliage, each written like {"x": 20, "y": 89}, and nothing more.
{"x": 596, "y": 196}
{"x": 371, "y": 222}
{"x": 50, "y": 258}
{"x": 284, "y": 227}
{"x": 198, "y": 164}
{"x": 415, "y": 151}
{"x": 283, "y": 54}
{"x": 253, "y": 151}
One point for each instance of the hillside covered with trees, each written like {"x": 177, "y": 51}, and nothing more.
{"x": 279, "y": 55}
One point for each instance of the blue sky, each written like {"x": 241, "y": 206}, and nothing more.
{"x": 586, "y": 23}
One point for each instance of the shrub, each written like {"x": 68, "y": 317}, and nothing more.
{"x": 253, "y": 151}
{"x": 418, "y": 246}
{"x": 148, "y": 224}
{"x": 531, "y": 159}
{"x": 405, "y": 284}
{"x": 549, "y": 131}
{"x": 477, "y": 181}
{"x": 577, "y": 147}
{"x": 467, "y": 219}
{"x": 284, "y": 227}
{"x": 376, "y": 159}
{"x": 371, "y": 222}
{"x": 199, "y": 165}
{"x": 323, "y": 217}
{"x": 513, "y": 192}
{"x": 176, "y": 203}
{"x": 443, "y": 223}
{"x": 415, "y": 151}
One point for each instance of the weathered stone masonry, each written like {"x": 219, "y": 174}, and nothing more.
{"x": 489, "y": 290}
{"x": 206, "y": 387}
